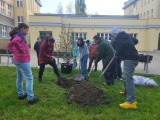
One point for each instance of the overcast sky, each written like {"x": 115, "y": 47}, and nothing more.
{"x": 102, "y": 7}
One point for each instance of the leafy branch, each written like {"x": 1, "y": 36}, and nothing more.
{"x": 66, "y": 44}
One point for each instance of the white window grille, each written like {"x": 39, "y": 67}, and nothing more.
{"x": 4, "y": 31}
{"x": 104, "y": 36}
{"x": 2, "y": 9}
{"x": 9, "y": 10}
{"x": 20, "y": 19}
{"x": 78, "y": 35}
{"x": 19, "y": 3}
{"x": 133, "y": 35}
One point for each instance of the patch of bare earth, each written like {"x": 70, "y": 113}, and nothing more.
{"x": 83, "y": 93}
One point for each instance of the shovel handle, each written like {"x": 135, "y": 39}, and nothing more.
{"x": 91, "y": 70}
{"x": 107, "y": 66}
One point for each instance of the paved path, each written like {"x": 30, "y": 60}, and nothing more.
{"x": 153, "y": 67}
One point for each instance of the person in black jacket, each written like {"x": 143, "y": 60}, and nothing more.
{"x": 37, "y": 47}
{"x": 118, "y": 69}
{"x": 125, "y": 48}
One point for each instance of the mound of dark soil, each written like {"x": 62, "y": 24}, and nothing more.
{"x": 84, "y": 93}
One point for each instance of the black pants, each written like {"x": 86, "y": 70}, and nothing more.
{"x": 118, "y": 69}
{"x": 109, "y": 73}
{"x": 37, "y": 56}
{"x": 90, "y": 63}
{"x": 51, "y": 63}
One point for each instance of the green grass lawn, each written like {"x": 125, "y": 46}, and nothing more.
{"x": 53, "y": 102}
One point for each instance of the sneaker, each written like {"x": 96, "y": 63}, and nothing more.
{"x": 122, "y": 93}
{"x": 127, "y": 105}
{"x": 22, "y": 97}
{"x": 33, "y": 101}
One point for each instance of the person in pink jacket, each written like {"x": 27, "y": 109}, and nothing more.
{"x": 21, "y": 56}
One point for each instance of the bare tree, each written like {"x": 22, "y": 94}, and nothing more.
{"x": 59, "y": 8}
{"x": 69, "y": 8}
{"x": 80, "y": 7}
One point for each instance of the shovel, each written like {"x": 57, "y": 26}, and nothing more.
{"x": 90, "y": 72}
{"x": 78, "y": 77}
{"x": 107, "y": 66}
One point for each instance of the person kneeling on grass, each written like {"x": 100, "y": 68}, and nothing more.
{"x": 46, "y": 57}
{"x": 19, "y": 47}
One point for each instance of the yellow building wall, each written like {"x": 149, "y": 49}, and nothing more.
{"x": 153, "y": 39}
{"x": 10, "y": 1}
{"x": 45, "y": 19}
{"x": 145, "y": 35}
{"x": 144, "y": 8}
{"x": 129, "y": 10}
{"x": 34, "y": 32}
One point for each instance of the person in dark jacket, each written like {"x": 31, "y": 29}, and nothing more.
{"x": 125, "y": 49}
{"x": 37, "y": 47}
{"x": 46, "y": 57}
{"x": 118, "y": 69}
{"x": 105, "y": 53}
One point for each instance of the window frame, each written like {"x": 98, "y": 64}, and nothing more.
{"x": 19, "y": 3}
{"x": 20, "y": 19}
{"x": 9, "y": 10}
{"x": 4, "y": 31}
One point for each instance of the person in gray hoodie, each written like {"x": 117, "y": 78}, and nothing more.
{"x": 125, "y": 48}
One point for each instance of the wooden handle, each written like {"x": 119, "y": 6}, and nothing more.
{"x": 91, "y": 70}
{"x": 108, "y": 65}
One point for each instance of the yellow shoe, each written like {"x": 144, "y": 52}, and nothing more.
{"x": 127, "y": 105}
{"x": 122, "y": 93}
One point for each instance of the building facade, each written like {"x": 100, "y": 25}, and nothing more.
{"x": 146, "y": 29}
{"x": 13, "y": 12}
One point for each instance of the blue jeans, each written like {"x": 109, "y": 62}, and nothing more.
{"x": 24, "y": 72}
{"x": 129, "y": 68}
{"x": 83, "y": 61}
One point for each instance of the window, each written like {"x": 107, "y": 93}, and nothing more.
{"x": 44, "y": 34}
{"x": 2, "y": 6}
{"x": 20, "y": 19}
{"x": 4, "y": 31}
{"x": 151, "y": 13}
{"x": 144, "y": 16}
{"x": 19, "y": 3}
{"x": 104, "y": 36}
{"x": 9, "y": 10}
{"x": 133, "y": 35}
{"x": 78, "y": 35}
{"x": 147, "y": 14}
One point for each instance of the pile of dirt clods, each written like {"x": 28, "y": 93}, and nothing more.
{"x": 83, "y": 93}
